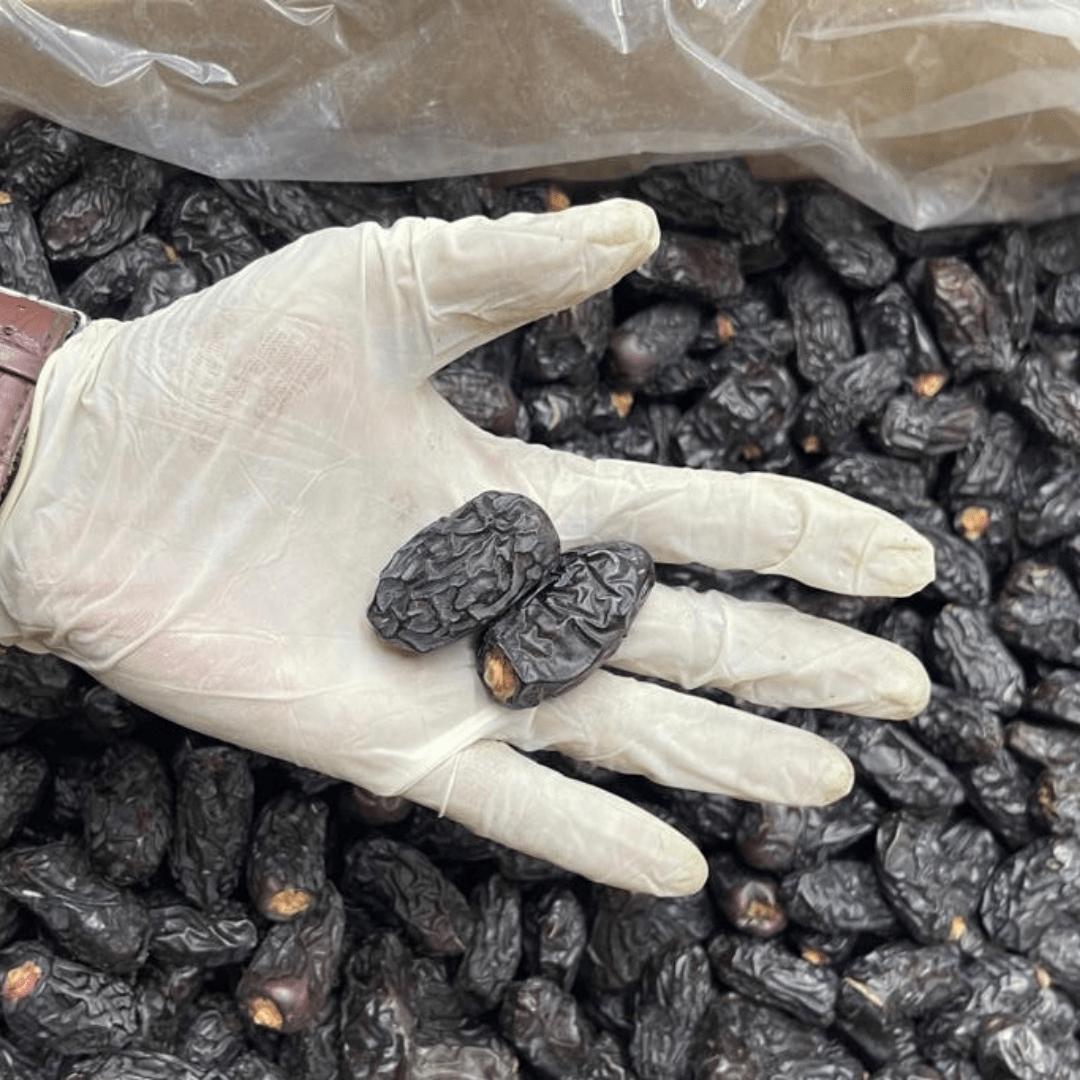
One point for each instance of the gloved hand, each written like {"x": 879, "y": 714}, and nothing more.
{"x": 207, "y": 496}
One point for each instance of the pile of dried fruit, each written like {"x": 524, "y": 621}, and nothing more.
{"x": 171, "y": 907}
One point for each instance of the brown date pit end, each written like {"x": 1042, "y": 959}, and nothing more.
{"x": 499, "y": 675}
{"x": 725, "y": 329}
{"x": 974, "y": 521}
{"x": 622, "y": 401}
{"x": 815, "y": 956}
{"x": 556, "y": 199}
{"x": 21, "y": 981}
{"x": 288, "y": 903}
{"x": 928, "y": 385}
{"x": 264, "y": 1013}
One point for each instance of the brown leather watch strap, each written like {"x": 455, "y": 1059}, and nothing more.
{"x": 29, "y": 331}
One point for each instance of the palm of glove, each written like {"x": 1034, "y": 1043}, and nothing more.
{"x": 208, "y": 496}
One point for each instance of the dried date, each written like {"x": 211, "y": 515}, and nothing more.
{"x": 23, "y": 775}
{"x": 1048, "y": 397}
{"x": 286, "y": 863}
{"x": 890, "y": 319}
{"x": 985, "y": 467}
{"x": 484, "y": 398}
{"x": 972, "y": 328}
{"x": 53, "y": 1004}
{"x": 495, "y": 948}
{"x": 24, "y": 266}
{"x": 767, "y": 972}
{"x": 113, "y": 278}
{"x": 648, "y": 341}
{"x": 282, "y": 208}
{"x": 213, "y": 1033}
{"x": 933, "y": 871}
{"x": 900, "y": 767}
{"x": 401, "y": 882}
{"x": 556, "y": 931}
{"x": 104, "y": 207}
{"x": 840, "y": 896}
{"x": 669, "y": 1004}
{"x": 214, "y": 800}
{"x": 1057, "y": 696}
{"x": 547, "y": 1027}
{"x": 184, "y": 935}
{"x": 629, "y": 930}
{"x": 37, "y": 157}
{"x": 821, "y": 319}
{"x": 127, "y": 814}
{"x": 843, "y": 235}
{"x": 207, "y": 228}
{"x": 1007, "y": 264}
{"x": 96, "y": 921}
{"x": 1031, "y": 890}
{"x": 749, "y": 901}
{"x": 556, "y": 411}
{"x": 160, "y": 287}
{"x": 688, "y": 266}
{"x": 569, "y": 625}
{"x": 721, "y": 193}
{"x": 287, "y": 983}
{"x": 972, "y": 658}
{"x": 849, "y": 393}
{"x": 892, "y": 484}
{"x": 1050, "y": 512}
{"x": 959, "y": 728}
{"x": 1038, "y": 610}
{"x": 463, "y": 571}
{"x": 743, "y": 421}
{"x": 912, "y": 426}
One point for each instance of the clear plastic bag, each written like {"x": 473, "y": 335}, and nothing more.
{"x": 931, "y": 111}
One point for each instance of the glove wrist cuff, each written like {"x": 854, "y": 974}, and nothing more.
{"x": 29, "y": 331}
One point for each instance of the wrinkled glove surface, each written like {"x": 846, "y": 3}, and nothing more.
{"x": 207, "y": 497}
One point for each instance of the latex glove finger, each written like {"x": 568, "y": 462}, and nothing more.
{"x": 496, "y": 792}
{"x": 772, "y": 655}
{"x": 747, "y": 521}
{"x": 419, "y": 294}
{"x": 683, "y": 741}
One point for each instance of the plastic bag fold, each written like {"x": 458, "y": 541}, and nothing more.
{"x": 931, "y": 111}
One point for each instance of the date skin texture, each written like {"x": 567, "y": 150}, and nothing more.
{"x": 463, "y": 571}
{"x": 563, "y": 630}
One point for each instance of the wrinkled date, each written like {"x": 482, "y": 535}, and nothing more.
{"x": 549, "y": 642}
{"x": 463, "y": 571}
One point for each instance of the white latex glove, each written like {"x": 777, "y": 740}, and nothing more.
{"x": 208, "y": 495}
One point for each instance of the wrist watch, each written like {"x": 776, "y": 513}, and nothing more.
{"x": 30, "y": 330}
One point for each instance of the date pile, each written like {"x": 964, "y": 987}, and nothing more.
{"x": 494, "y": 565}
{"x": 174, "y": 907}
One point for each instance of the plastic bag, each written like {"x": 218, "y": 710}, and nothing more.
{"x": 931, "y": 111}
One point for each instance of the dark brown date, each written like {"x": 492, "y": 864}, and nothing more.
{"x": 214, "y": 794}
{"x": 462, "y": 571}
{"x": 971, "y": 326}
{"x": 23, "y": 265}
{"x": 53, "y": 1004}
{"x": 843, "y": 235}
{"x": 38, "y": 156}
{"x": 92, "y": 918}
{"x": 101, "y": 209}
{"x": 287, "y": 984}
{"x": 568, "y": 626}
{"x": 127, "y": 815}
{"x": 286, "y": 868}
